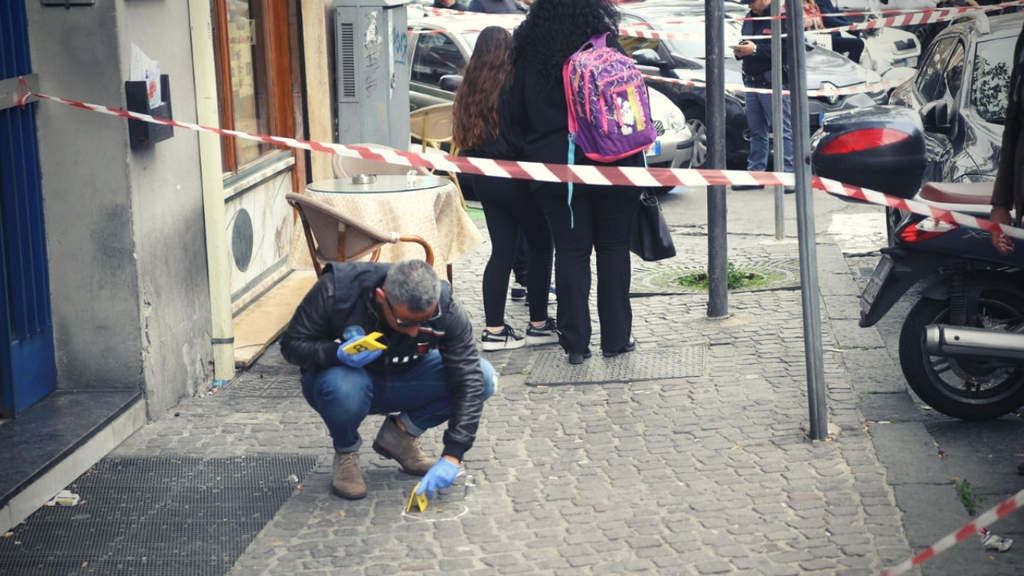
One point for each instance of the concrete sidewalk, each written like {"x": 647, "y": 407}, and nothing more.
{"x": 708, "y": 471}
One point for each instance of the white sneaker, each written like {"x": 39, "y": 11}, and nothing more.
{"x": 507, "y": 339}
{"x": 546, "y": 334}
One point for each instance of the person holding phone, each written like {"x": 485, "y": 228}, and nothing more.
{"x": 756, "y": 55}
{"x": 426, "y": 370}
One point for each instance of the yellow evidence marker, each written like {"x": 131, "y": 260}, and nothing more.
{"x": 368, "y": 342}
{"x": 420, "y": 501}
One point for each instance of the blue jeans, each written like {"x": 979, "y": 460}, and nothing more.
{"x": 344, "y": 396}
{"x": 759, "y": 120}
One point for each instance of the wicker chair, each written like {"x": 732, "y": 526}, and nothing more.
{"x": 332, "y": 236}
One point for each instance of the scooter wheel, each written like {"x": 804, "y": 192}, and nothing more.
{"x": 962, "y": 387}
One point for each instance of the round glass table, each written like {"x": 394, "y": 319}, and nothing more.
{"x": 378, "y": 184}
{"x": 422, "y": 204}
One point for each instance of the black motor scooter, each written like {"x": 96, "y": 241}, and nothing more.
{"x": 961, "y": 346}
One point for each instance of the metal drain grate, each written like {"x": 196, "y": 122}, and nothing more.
{"x": 551, "y": 366}
{"x": 155, "y": 516}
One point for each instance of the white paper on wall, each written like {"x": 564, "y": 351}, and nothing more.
{"x": 141, "y": 67}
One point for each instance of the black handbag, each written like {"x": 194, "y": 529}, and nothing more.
{"x": 649, "y": 237}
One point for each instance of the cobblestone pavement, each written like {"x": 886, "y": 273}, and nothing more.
{"x": 705, "y": 474}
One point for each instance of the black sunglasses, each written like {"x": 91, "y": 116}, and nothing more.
{"x": 412, "y": 323}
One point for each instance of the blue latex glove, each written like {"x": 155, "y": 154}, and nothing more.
{"x": 359, "y": 359}
{"x": 440, "y": 475}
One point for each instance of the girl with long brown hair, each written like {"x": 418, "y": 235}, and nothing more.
{"x": 478, "y": 130}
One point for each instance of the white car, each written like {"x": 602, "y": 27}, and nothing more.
{"x": 441, "y": 47}
{"x": 891, "y": 52}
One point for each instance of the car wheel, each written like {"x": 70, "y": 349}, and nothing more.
{"x": 695, "y": 121}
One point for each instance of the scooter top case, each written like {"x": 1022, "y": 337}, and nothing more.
{"x": 881, "y": 148}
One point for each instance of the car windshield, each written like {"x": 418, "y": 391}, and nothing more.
{"x": 991, "y": 78}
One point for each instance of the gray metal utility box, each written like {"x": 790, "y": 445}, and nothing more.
{"x": 372, "y": 72}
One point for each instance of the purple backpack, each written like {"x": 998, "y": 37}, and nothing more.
{"x": 609, "y": 111}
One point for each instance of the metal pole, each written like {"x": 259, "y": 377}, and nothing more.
{"x": 718, "y": 253}
{"x": 777, "y": 142}
{"x": 805, "y": 222}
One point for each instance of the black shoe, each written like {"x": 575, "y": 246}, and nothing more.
{"x": 629, "y": 347}
{"x": 507, "y": 339}
{"x": 518, "y": 292}
{"x": 578, "y": 357}
{"x": 544, "y": 334}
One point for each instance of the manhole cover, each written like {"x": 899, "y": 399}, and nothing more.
{"x": 155, "y": 516}
{"x": 777, "y": 263}
{"x": 552, "y": 367}
{"x": 665, "y": 278}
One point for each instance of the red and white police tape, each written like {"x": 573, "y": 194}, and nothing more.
{"x": 953, "y": 538}
{"x": 544, "y": 172}
{"x": 683, "y": 19}
{"x": 891, "y": 18}
{"x": 864, "y": 88}
{"x": 607, "y": 175}
{"x": 916, "y": 18}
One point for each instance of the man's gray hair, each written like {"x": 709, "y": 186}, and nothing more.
{"x": 413, "y": 284}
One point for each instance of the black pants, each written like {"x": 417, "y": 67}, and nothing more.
{"x": 509, "y": 207}
{"x": 602, "y": 219}
{"x": 852, "y": 47}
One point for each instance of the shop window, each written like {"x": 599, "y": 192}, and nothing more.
{"x": 253, "y": 62}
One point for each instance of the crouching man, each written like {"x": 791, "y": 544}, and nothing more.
{"x": 429, "y": 373}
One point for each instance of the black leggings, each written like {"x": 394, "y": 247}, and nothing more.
{"x": 510, "y": 207}
{"x": 602, "y": 217}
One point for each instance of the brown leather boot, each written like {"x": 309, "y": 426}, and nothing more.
{"x": 348, "y": 480}
{"x": 392, "y": 442}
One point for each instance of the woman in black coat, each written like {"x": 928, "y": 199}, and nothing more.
{"x": 552, "y": 31}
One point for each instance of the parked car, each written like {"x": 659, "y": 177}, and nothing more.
{"x": 891, "y": 52}
{"x": 958, "y": 97}
{"x": 441, "y": 47}
{"x": 960, "y": 91}
{"x": 887, "y": 50}
{"x": 683, "y": 57}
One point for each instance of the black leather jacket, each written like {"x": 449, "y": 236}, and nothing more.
{"x": 757, "y": 68}
{"x": 343, "y": 297}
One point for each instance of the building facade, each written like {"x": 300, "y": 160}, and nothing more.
{"x": 117, "y": 292}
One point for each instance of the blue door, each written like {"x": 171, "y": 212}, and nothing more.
{"x": 27, "y": 370}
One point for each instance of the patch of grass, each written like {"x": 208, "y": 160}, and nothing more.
{"x": 735, "y": 279}
{"x": 965, "y": 492}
